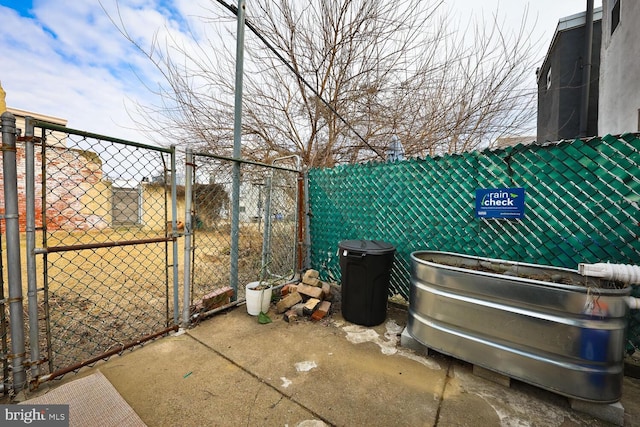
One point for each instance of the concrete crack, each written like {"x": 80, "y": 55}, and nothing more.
{"x": 444, "y": 387}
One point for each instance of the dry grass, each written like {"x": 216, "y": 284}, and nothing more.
{"x": 101, "y": 298}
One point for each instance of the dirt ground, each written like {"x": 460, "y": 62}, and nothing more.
{"x": 98, "y": 299}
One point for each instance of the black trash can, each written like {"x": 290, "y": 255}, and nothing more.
{"x": 366, "y": 269}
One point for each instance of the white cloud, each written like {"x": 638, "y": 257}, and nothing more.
{"x": 72, "y": 62}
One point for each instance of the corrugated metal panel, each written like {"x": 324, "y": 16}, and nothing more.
{"x": 519, "y": 320}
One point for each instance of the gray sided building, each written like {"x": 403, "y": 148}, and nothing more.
{"x": 560, "y": 80}
{"x": 620, "y": 68}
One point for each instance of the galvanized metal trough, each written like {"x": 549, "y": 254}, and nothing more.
{"x": 547, "y": 326}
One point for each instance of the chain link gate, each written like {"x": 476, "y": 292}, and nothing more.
{"x": 107, "y": 246}
{"x": 268, "y": 223}
{"x": 101, "y": 234}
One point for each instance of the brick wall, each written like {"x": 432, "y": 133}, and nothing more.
{"x": 72, "y": 177}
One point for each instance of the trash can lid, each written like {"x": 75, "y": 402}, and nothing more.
{"x": 373, "y": 247}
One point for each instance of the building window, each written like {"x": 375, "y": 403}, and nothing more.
{"x": 638, "y": 119}
{"x": 615, "y": 15}
{"x": 549, "y": 78}
{"x": 125, "y": 206}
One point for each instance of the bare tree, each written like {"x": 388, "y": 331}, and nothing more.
{"x": 377, "y": 68}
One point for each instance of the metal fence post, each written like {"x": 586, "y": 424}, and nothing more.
{"x": 174, "y": 235}
{"x": 266, "y": 239}
{"x": 32, "y": 286}
{"x": 300, "y": 222}
{"x": 188, "y": 189}
{"x": 237, "y": 154}
{"x": 14, "y": 274}
{"x": 306, "y": 219}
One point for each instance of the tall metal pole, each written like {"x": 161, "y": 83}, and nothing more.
{"x": 14, "y": 273}
{"x": 32, "y": 286}
{"x": 586, "y": 70}
{"x": 188, "y": 189}
{"x": 237, "y": 143}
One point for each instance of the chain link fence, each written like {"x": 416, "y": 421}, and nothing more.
{"x": 104, "y": 234}
{"x": 106, "y": 247}
{"x": 282, "y": 200}
{"x": 581, "y": 206}
{"x": 267, "y": 224}
{"x": 103, "y": 225}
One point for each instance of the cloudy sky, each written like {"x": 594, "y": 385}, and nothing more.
{"x": 71, "y": 62}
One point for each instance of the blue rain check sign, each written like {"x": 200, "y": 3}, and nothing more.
{"x": 500, "y": 203}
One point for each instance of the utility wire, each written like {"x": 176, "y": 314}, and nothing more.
{"x": 255, "y": 31}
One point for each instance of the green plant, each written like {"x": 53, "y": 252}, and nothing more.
{"x": 263, "y": 318}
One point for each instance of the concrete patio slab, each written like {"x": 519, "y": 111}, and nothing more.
{"x": 231, "y": 371}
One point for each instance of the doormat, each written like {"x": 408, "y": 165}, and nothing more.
{"x": 92, "y": 401}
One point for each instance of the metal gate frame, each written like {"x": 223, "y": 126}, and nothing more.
{"x": 9, "y": 223}
{"x": 197, "y": 241}
{"x": 169, "y": 238}
{"x": 33, "y": 358}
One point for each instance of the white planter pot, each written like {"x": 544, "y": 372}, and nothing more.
{"x": 257, "y": 300}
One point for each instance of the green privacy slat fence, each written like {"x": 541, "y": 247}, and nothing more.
{"x": 582, "y": 205}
